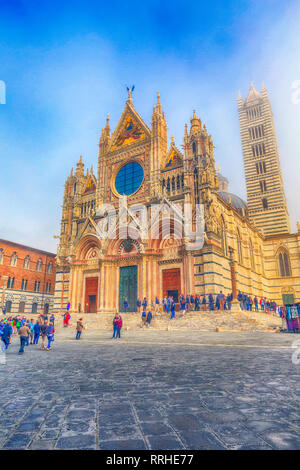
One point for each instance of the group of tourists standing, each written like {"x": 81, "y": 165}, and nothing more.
{"x": 29, "y": 331}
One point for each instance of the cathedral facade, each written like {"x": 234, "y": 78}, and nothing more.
{"x": 95, "y": 273}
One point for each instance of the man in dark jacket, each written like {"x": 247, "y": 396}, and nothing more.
{"x": 6, "y": 334}
{"x": 149, "y": 318}
{"x": 37, "y": 332}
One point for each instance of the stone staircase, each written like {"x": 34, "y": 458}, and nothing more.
{"x": 202, "y": 321}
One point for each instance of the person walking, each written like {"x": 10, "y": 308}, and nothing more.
{"x": 79, "y": 328}
{"x": 149, "y": 318}
{"x": 44, "y": 327}
{"x": 211, "y": 302}
{"x": 156, "y": 305}
{"x": 7, "y": 334}
{"x": 36, "y": 332}
{"x": 138, "y": 304}
{"x": 125, "y": 304}
{"x": 144, "y": 316}
{"x": 50, "y": 335}
{"x": 24, "y": 333}
{"x": 172, "y": 310}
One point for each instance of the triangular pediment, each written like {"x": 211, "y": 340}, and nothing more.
{"x": 130, "y": 129}
{"x": 174, "y": 158}
{"x": 88, "y": 227}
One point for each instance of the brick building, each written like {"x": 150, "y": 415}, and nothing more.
{"x": 27, "y": 278}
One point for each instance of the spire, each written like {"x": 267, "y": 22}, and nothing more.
{"x": 196, "y": 124}
{"x": 71, "y": 174}
{"x": 263, "y": 88}
{"x": 107, "y": 127}
{"x": 158, "y": 105}
{"x": 92, "y": 170}
{"x": 253, "y": 93}
{"x": 79, "y": 167}
{"x": 129, "y": 99}
{"x": 186, "y": 130}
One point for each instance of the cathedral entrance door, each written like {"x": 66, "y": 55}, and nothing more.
{"x": 128, "y": 288}
{"x": 91, "y": 289}
{"x": 171, "y": 283}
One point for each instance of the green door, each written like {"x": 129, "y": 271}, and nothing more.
{"x": 128, "y": 288}
{"x": 287, "y": 299}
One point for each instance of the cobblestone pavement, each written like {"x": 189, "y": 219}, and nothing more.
{"x": 150, "y": 390}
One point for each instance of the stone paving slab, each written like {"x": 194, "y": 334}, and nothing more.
{"x": 156, "y": 391}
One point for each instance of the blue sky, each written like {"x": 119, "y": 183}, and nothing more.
{"x": 66, "y": 65}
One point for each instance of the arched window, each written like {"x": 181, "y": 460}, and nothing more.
{"x": 34, "y": 307}
{"x": 8, "y": 305}
{"x": 1, "y": 255}
{"x": 173, "y": 183}
{"x": 39, "y": 264}
{"x": 50, "y": 267}
{"x": 284, "y": 264}
{"x": 239, "y": 246}
{"x": 13, "y": 259}
{"x": 224, "y": 237}
{"x": 252, "y": 259}
{"x": 194, "y": 148}
{"x": 27, "y": 262}
{"x": 10, "y": 282}
{"x": 21, "y": 307}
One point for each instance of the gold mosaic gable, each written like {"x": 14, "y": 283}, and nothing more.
{"x": 90, "y": 187}
{"x": 173, "y": 158}
{"x": 129, "y": 133}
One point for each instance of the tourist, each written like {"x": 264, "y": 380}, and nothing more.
{"x": 7, "y": 332}
{"x": 172, "y": 306}
{"x": 149, "y": 318}
{"x": 144, "y": 303}
{"x": 204, "y": 303}
{"x": 192, "y": 300}
{"x": 115, "y": 327}
{"x": 197, "y": 303}
{"x": 255, "y": 304}
{"x": 156, "y": 305}
{"x": 228, "y": 301}
{"x": 240, "y": 299}
{"x": 138, "y": 304}
{"x": 221, "y": 300}
{"x": 52, "y": 319}
{"x": 187, "y": 303}
{"x": 79, "y": 328}
{"x": 211, "y": 302}
{"x": 44, "y": 327}
{"x": 24, "y": 333}
{"x": 125, "y": 304}
{"x": 182, "y": 305}
{"x": 79, "y": 308}
{"x": 119, "y": 326}
{"x": 50, "y": 335}
{"x": 37, "y": 332}
{"x": 144, "y": 315}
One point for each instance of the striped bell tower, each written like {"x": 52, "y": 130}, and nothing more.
{"x": 267, "y": 205}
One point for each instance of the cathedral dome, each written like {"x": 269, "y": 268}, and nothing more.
{"x": 238, "y": 203}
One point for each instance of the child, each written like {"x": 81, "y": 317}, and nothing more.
{"x": 50, "y": 335}
{"x": 144, "y": 317}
